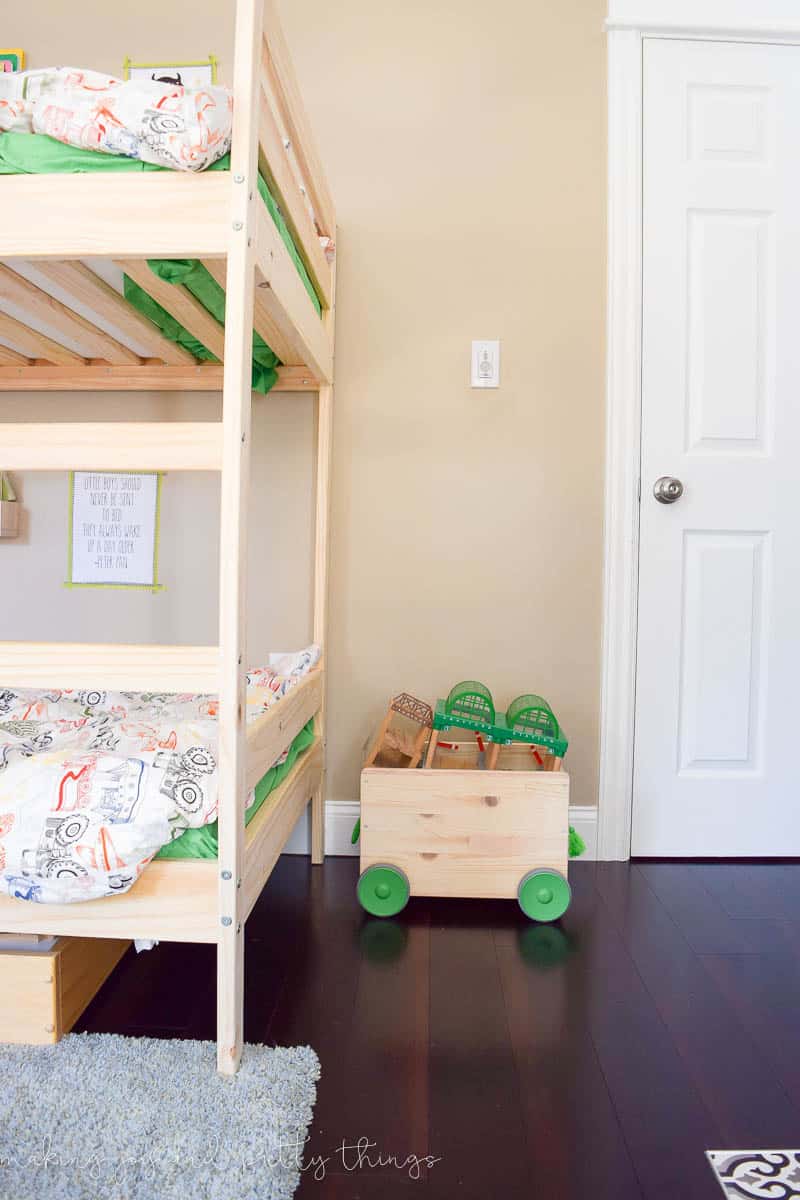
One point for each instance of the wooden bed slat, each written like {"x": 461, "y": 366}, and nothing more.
{"x": 274, "y": 165}
{"x": 116, "y": 446}
{"x": 117, "y": 667}
{"x": 94, "y": 343}
{"x": 181, "y": 304}
{"x": 13, "y": 357}
{"x": 262, "y": 322}
{"x": 273, "y": 733}
{"x": 280, "y": 76}
{"x": 147, "y": 378}
{"x": 293, "y": 378}
{"x": 288, "y": 303}
{"x": 147, "y": 214}
{"x": 87, "y": 288}
{"x": 270, "y": 828}
{"x": 269, "y": 331}
{"x": 36, "y": 345}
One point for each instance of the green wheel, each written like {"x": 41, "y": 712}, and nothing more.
{"x": 544, "y": 894}
{"x": 383, "y": 890}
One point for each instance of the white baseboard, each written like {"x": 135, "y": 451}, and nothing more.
{"x": 583, "y": 819}
{"x": 341, "y": 816}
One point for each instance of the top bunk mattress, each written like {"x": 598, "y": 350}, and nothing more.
{"x": 155, "y": 120}
{"x": 94, "y": 783}
{"x": 38, "y": 154}
{"x": 63, "y": 120}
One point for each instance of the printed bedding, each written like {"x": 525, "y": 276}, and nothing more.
{"x": 93, "y": 783}
{"x": 153, "y": 120}
{"x": 204, "y": 841}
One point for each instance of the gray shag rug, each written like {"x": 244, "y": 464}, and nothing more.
{"x": 102, "y": 1117}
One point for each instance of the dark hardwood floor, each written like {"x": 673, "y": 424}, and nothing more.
{"x": 599, "y": 1058}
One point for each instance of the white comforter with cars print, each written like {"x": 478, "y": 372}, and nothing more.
{"x": 155, "y": 120}
{"x": 93, "y": 783}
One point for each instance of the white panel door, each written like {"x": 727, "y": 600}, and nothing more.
{"x": 717, "y": 742}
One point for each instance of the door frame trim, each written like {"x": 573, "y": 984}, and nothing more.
{"x": 628, "y": 23}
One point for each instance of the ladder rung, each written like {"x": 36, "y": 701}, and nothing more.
{"x": 120, "y": 446}
{"x": 116, "y": 667}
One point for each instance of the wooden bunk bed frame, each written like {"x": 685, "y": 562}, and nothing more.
{"x": 219, "y": 218}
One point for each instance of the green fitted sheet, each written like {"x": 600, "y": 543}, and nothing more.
{"x": 38, "y": 154}
{"x": 204, "y": 842}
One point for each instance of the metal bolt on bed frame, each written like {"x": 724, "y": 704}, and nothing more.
{"x": 238, "y": 179}
{"x": 237, "y": 225}
{"x": 227, "y": 920}
{"x": 227, "y": 875}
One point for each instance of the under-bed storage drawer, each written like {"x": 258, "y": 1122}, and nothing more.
{"x": 42, "y": 994}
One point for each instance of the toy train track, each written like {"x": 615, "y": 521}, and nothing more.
{"x": 529, "y": 719}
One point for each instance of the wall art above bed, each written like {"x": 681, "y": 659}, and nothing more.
{"x": 11, "y": 60}
{"x": 197, "y": 74}
{"x": 114, "y": 530}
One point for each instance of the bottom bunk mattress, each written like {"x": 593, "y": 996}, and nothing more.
{"x": 93, "y": 784}
{"x": 204, "y": 842}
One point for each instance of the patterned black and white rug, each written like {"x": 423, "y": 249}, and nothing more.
{"x": 757, "y": 1174}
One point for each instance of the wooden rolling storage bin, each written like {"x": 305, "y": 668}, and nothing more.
{"x": 43, "y": 993}
{"x": 482, "y": 834}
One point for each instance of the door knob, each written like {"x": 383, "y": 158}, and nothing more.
{"x": 667, "y": 489}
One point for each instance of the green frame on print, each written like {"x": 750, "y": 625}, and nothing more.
{"x": 155, "y": 586}
{"x": 212, "y": 61}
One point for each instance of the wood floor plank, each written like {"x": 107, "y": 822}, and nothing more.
{"x": 762, "y": 990}
{"x": 722, "y": 1061}
{"x": 156, "y": 993}
{"x": 476, "y": 1115}
{"x": 281, "y": 937}
{"x": 666, "y": 1124}
{"x": 358, "y": 994}
{"x": 755, "y": 891}
{"x": 575, "y": 1142}
{"x": 385, "y": 1103}
{"x": 701, "y": 918}
{"x": 600, "y": 1057}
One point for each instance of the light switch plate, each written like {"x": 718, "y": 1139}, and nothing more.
{"x": 485, "y": 363}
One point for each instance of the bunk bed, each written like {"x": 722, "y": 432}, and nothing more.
{"x": 219, "y": 219}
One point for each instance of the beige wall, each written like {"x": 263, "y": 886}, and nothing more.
{"x": 465, "y": 149}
